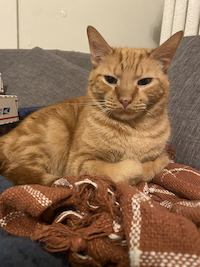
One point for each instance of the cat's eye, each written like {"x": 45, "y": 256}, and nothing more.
{"x": 144, "y": 81}
{"x": 110, "y": 79}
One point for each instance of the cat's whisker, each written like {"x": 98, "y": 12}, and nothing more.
{"x": 111, "y": 107}
{"x": 92, "y": 104}
{"x": 105, "y": 110}
{"x": 88, "y": 103}
{"x": 108, "y": 112}
{"x": 148, "y": 112}
{"x": 97, "y": 114}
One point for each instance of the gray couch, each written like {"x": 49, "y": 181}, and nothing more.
{"x": 39, "y": 78}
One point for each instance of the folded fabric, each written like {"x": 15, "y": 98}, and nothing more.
{"x": 97, "y": 222}
{"x": 21, "y": 251}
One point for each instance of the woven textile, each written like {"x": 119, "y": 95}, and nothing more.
{"x": 97, "y": 222}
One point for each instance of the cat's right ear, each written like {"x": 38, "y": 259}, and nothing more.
{"x": 165, "y": 52}
{"x": 98, "y": 46}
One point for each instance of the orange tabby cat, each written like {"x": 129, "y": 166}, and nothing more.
{"x": 120, "y": 128}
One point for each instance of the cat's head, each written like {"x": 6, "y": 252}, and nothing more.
{"x": 127, "y": 83}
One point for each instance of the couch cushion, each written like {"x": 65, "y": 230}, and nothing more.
{"x": 40, "y": 78}
{"x": 9, "y": 57}
{"x": 77, "y": 58}
{"x": 184, "y": 102}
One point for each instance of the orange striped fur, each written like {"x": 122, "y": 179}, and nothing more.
{"x": 120, "y": 128}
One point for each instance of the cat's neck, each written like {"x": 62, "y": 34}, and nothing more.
{"x": 143, "y": 122}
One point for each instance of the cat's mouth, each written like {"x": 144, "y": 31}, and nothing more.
{"x": 131, "y": 112}
{"x": 122, "y": 113}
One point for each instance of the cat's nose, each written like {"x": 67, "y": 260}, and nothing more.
{"x": 125, "y": 101}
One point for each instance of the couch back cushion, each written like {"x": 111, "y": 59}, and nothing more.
{"x": 184, "y": 102}
{"x": 41, "y": 78}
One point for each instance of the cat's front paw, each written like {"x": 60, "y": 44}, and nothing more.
{"x": 136, "y": 179}
{"x": 152, "y": 168}
{"x": 130, "y": 171}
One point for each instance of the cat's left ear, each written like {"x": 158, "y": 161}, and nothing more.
{"x": 98, "y": 46}
{"x": 165, "y": 52}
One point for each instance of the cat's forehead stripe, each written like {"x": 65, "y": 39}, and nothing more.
{"x": 130, "y": 58}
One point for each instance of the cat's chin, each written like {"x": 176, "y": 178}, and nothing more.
{"x": 125, "y": 115}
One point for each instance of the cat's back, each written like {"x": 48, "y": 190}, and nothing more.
{"x": 41, "y": 121}
{"x": 44, "y": 134}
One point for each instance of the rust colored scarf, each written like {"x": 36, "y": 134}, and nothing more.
{"x": 97, "y": 222}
